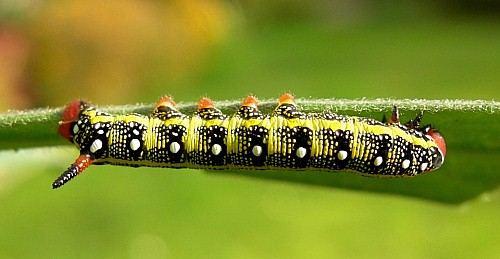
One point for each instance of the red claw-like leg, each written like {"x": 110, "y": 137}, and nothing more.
{"x": 165, "y": 102}
{"x": 286, "y": 98}
{"x": 250, "y": 101}
{"x": 205, "y": 103}
{"x": 415, "y": 123}
{"x": 395, "y": 115}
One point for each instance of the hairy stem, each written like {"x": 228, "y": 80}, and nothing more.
{"x": 37, "y": 127}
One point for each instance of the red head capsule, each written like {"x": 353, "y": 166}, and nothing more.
{"x": 439, "y": 140}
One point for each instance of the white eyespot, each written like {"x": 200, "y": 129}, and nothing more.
{"x": 135, "y": 144}
{"x": 378, "y": 161}
{"x": 405, "y": 164}
{"x": 174, "y": 147}
{"x": 76, "y": 129}
{"x": 216, "y": 149}
{"x": 423, "y": 166}
{"x": 301, "y": 152}
{"x": 257, "y": 150}
{"x": 96, "y": 145}
{"x": 342, "y": 155}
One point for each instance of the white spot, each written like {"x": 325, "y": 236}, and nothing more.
{"x": 405, "y": 164}
{"x": 423, "y": 166}
{"x": 96, "y": 145}
{"x": 174, "y": 147}
{"x": 135, "y": 144}
{"x": 136, "y": 132}
{"x": 257, "y": 150}
{"x": 100, "y": 132}
{"x": 378, "y": 161}
{"x": 301, "y": 152}
{"x": 76, "y": 129}
{"x": 342, "y": 155}
{"x": 97, "y": 125}
{"x": 216, "y": 149}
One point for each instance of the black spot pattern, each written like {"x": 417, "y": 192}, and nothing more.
{"x": 166, "y": 150}
{"x": 252, "y": 146}
{"x": 211, "y": 149}
{"x": 127, "y": 141}
{"x": 288, "y": 139}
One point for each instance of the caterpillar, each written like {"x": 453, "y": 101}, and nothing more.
{"x": 288, "y": 139}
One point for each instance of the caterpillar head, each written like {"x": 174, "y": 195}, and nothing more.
{"x": 69, "y": 118}
{"x": 439, "y": 140}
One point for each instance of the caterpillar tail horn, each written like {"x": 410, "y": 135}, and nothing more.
{"x": 81, "y": 163}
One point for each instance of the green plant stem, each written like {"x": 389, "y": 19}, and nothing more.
{"x": 38, "y": 127}
{"x": 469, "y": 127}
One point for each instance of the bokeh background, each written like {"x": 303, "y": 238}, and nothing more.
{"x": 129, "y": 51}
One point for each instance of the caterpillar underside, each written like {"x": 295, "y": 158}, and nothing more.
{"x": 288, "y": 139}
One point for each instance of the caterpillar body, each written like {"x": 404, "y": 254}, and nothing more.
{"x": 288, "y": 139}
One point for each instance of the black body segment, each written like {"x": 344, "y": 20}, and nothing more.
{"x": 288, "y": 139}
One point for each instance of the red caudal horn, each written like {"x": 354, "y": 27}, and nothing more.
{"x": 81, "y": 163}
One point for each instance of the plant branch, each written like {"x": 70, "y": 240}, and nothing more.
{"x": 37, "y": 127}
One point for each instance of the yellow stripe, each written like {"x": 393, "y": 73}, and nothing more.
{"x": 356, "y": 125}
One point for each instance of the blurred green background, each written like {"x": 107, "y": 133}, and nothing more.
{"x": 120, "y": 52}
